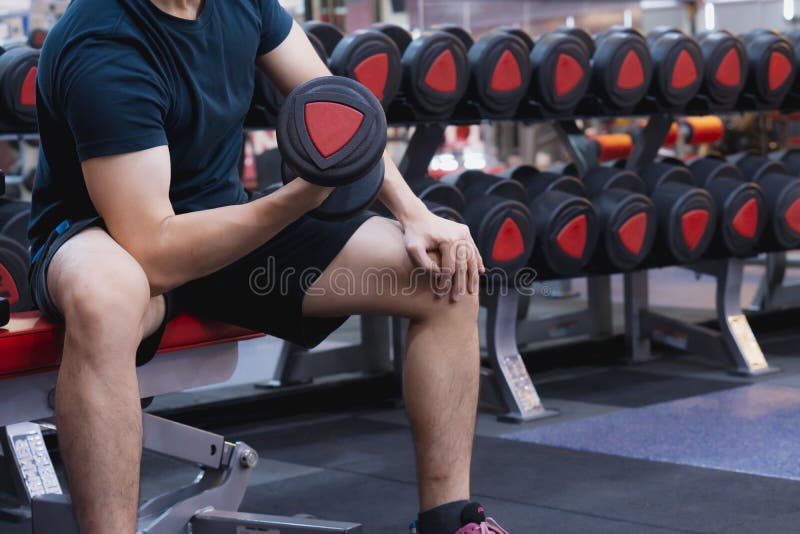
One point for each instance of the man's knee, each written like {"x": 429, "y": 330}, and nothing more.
{"x": 113, "y": 290}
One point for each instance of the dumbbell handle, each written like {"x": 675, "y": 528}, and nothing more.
{"x": 5, "y": 312}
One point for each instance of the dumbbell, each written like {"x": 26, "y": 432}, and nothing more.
{"x": 741, "y": 212}
{"x": 782, "y": 193}
{"x": 14, "y": 217}
{"x": 686, "y": 213}
{"x": 561, "y": 71}
{"x": 18, "y": 68}
{"x": 622, "y": 67}
{"x": 499, "y": 220}
{"x": 626, "y": 217}
{"x": 332, "y": 132}
{"x": 442, "y": 199}
{"x": 14, "y": 288}
{"x": 770, "y": 68}
{"x": 267, "y": 99}
{"x": 724, "y": 75}
{"x": 564, "y": 219}
{"x": 500, "y": 71}
{"x": 367, "y": 56}
{"x": 435, "y": 71}
{"x": 677, "y": 68}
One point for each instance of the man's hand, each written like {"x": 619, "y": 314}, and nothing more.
{"x": 460, "y": 265}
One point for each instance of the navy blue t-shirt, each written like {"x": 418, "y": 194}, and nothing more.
{"x": 119, "y": 76}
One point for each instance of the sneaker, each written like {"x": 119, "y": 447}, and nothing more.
{"x": 475, "y": 521}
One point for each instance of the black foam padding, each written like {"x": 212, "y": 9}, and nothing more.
{"x": 489, "y": 54}
{"x": 730, "y": 191}
{"x": 420, "y": 56}
{"x": 759, "y": 46}
{"x": 547, "y": 60}
{"x": 611, "y": 52}
{"x": 352, "y": 161}
{"x": 718, "y": 86}
{"x": 669, "y": 50}
{"x": 351, "y": 55}
{"x": 16, "y": 65}
{"x": 14, "y": 285}
{"x": 328, "y": 34}
{"x": 781, "y": 191}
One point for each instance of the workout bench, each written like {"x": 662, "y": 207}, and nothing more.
{"x": 193, "y": 353}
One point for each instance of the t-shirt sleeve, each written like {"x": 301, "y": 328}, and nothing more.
{"x": 275, "y": 25}
{"x": 112, "y": 101}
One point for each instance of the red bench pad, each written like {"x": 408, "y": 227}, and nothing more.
{"x": 30, "y": 343}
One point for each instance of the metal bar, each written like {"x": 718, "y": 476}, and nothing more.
{"x": 182, "y": 442}
{"x": 649, "y": 142}
{"x": 637, "y": 296}
{"x": 601, "y": 313}
{"x": 219, "y": 522}
{"x": 736, "y": 332}
{"x": 510, "y": 375}
{"x": 556, "y": 327}
{"x": 583, "y": 153}
{"x": 421, "y": 148}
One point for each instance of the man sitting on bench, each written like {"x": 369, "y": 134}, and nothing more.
{"x": 138, "y": 213}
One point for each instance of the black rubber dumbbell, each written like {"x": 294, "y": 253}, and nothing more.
{"x": 621, "y": 67}
{"x": 741, "y": 210}
{"x": 332, "y": 132}
{"x": 444, "y": 200}
{"x": 626, "y": 218}
{"x": 267, "y": 99}
{"x": 498, "y": 217}
{"x": 14, "y": 261}
{"x": 368, "y": 56}
{"x": 770, "y": 69}
{"x": 782, "y": 194}
{"x": 14, "y": 218}
{"x": 500, "y": 71}
{"x": 686, "y": 213}
{"x": 677, "y": 68}
{"x": 561, "y": 66}
{"x": 18, "y": 67}
{"x": 724, "y": 58}
{"x": 564, "y": 219}
{"x": 435, "y": 71}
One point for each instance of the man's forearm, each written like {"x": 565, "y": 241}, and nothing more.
{"x": 397, "y": 196}
{"x": 192, "y": 245}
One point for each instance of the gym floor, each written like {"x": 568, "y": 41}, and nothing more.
{"x": 673, "y": 445}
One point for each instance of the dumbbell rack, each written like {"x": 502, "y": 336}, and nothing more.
{"x": 772, "y": 293}
{"x": 734, "y": 341}
{"x": 16, "y": 179}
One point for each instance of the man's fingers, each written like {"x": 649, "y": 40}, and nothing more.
{"x": 419, "y": 255}
{"x": 462, "y": 253}
{"x": 474, "y": 272}
{"x": 448, "y": 267}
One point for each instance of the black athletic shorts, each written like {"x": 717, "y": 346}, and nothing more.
{"x": 263, "y": 291}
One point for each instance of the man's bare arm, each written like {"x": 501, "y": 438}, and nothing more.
{"x": 131, "y": 193}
